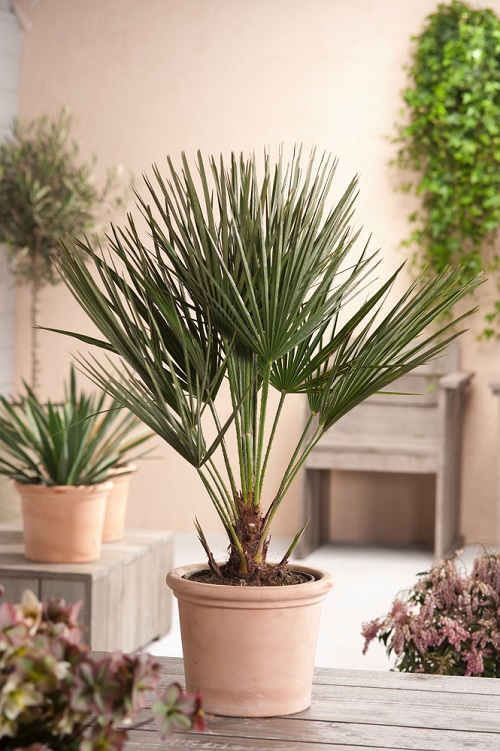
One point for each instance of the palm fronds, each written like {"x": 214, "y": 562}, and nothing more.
{"x": 248, "y": 282}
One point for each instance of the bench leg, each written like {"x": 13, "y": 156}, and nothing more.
{"x": 447, "y": 538}
{"x": 316, "y": 503}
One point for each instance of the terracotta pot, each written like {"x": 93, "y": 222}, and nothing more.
{"x": 116, "y": 506}
{"x": 63, "y": 523}
{"x": 250, "y": 650}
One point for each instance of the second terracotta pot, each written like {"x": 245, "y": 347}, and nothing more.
{"x": 63, "y": 523}
{"x": 116, "y": 505}
{"x": 250, "y": 650}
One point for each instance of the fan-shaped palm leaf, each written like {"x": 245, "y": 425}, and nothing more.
{"x": 248, "y": 281}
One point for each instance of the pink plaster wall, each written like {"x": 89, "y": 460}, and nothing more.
{"x": 146, "y": 79}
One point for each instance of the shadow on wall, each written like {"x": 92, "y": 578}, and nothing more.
{"x": 394, "y": 509}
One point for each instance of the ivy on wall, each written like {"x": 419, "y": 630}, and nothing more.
{"x": 450, "y": 139}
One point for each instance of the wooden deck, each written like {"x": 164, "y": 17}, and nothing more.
{"x": 355, "y": 709}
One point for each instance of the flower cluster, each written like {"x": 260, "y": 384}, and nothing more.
{"x": 448, "y": 623}
{"x": 53, "y": 695}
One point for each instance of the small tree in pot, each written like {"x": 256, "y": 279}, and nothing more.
{"x": 45, "y": 193}
{"x": 247, "y": 281}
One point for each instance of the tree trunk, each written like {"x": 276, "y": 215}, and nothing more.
{"x": 35, "y": 322}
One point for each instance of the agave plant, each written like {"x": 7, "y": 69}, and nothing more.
{"x": 247, "y": 282}
{"x": 76, "y": 442}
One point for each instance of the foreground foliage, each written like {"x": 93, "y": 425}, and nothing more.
{"x": 54, "y": 696}
{"x": 448, "y": 623}
{"x": 255, "y": 283}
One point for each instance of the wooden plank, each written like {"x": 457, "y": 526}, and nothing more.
{"x": 164, "y": 563}
{"x": 406, "y": 709}
{"x": 413, "y": 681}
{"x": 143, "y": 603}
{"x": 262, "y": 735}
{"x": 97, "y": 596}
{"x": 365, "y": 734}
{"x": 149, "y": 606}
{"x": 10, "y": 534}
{"x": 156, "y": 611}
{"x": 15, "y": 586}
{"x": 378, "y": 680}
{"x": 388, "y": 418}
{"x": 131, "y": 585}
{"x": 72, "y": 591}
{"x": 415, "y": 459}
{"x": 114, "y": 621}
{"x": 149, "y": 741}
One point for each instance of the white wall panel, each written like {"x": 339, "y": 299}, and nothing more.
{"x": 10, "y": 49}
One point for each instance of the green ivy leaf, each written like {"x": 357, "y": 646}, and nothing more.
{"x": 449, "y": 136}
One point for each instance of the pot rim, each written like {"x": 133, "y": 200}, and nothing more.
{"x": 293, "y": 594}
{"x": 38, "y": 487}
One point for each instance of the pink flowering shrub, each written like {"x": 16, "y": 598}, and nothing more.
{"x": 54, "y": 696}
{"x": 448, "y": 623}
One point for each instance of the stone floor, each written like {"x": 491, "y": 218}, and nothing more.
{"x": 366, "y": 580}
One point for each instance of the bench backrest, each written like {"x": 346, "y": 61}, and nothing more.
{"x": 411, "y": 412}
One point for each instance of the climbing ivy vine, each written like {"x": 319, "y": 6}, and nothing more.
{"x": 450, "y": 140}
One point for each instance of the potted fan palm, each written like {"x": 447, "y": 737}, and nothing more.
{"x": 244, "y": 285}
{"x": 62, "y": 457}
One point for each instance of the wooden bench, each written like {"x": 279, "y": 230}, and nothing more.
{"x": 418, "y": 430}
{"x": 126, "y": 602}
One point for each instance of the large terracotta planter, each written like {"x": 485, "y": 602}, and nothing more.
{"x": 63, "y": 523}
{"x": 116, "y": 506}
{"x": 250, "y": 650}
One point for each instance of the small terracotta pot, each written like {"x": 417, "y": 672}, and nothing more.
{"x": 63, "y": 523}
{"x": 116, "y": 506}
{"x": 250, "y": 650}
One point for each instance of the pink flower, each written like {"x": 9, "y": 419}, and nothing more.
{"x": 8, "y": 615}
{"x": 452, "y": 631}
{"x": 474, "y": 662}
{"x": 449, "y": 622}
{"x": 370, "y": 631}
{"x": 422, "y": 636}
{"x": 399, "y": 612}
